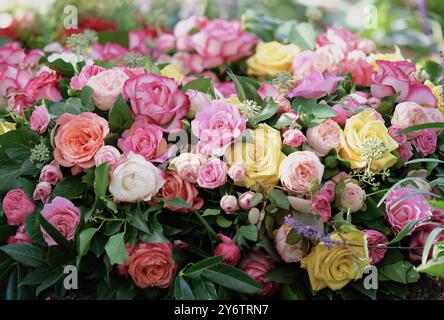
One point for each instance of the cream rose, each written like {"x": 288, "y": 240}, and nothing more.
{"x": 134, "y": 178}
{"x": 299, "y": 170}
{"x": 324, "y": 137}
{"x": 408, "y": 114}
{"x": 187, "y": 165}
{"x": 107, "y": 85}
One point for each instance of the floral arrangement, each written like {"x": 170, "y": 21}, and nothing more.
{"x": 220, "y": 159}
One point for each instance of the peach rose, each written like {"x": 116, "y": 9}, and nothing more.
{"x": 107, "y": 85}
{"x": 408, "y": 114}
{"x": 177, "y": 187}
{"x": 324, "y": 137}
{"x": 79, "y": 138}
{"x": 152, "y": 265}
{"x": 299, "y": 170}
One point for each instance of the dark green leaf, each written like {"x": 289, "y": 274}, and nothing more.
{"x": 120, "y": 117}
{"x": 27, "y": 254}
{"x": 231, "y": 278}
{"x": 196, "y": 269}
{"x": 182, "y": 290}
{"x": 246, "y": 88}
{"x": 283, "y": 273}
{"x": 71, "y": 187}
{"x": 249, "y": 232}
{"x": 280, "y": 199}
{"x": 84, "y": 241}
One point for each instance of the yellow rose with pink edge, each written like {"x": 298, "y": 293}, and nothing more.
{"x": 335, "y": 267}
{"x": 259, "y": 153}
{"x": 271, "y": 58}
{"x": 359, "y": 129}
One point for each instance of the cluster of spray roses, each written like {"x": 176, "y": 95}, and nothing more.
{"x": 301, "y": 145}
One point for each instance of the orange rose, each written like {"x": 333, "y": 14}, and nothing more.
{"x": 151, "y": 265}
{"x": 78, "y": 139}
{"x": 176, "y": 187}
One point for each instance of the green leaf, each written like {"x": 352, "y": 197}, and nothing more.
{"x": 203, "y": 289}
{"x": 116, "y": 250}
{"x": 387, "y": 105}
{"x": 436, "y": 204}
{"x": 429, "y": 243}
{"x": 283, "y": 273}
{"x": 27, "y": 254}
{"x": 421, "y": 127}
{"x": 246, "y": 88}
{"x": 212, "y": 234}
{"x": 424, "y": 160}
{"x": 72, "y": 105}
{"x": 62, "y": 67}
{"x": 51, "y": 279}
{"x": 202, "y": 84}
{"x": 86, "y": 98}
{"x": 249, "y": 232}
{"x": 182, "y": 290}
{"x": 223, "y": 222}
{"x": 155, "y": 230}
{"x": 119, "y": 37}
{"x": 405, "y": 231}
{"x": 84, "y": 241}
{"x": 71, "y": 187}
{"x": 17, "y": 144}
{"x": 231, "y": 278}
{"x": 210, "y": 212}
{"x": 195, "y": 269}
{"x": 177, "y": 202}
{"x": 400, "y": 271}
{"x": 101, "y": 180}
{"x": 7, "y": 230}
{"x": 303, "y": 35}
{"x": 120, "y": 117}
{"x": 433, "y": 267}
{"x": 256, "y": 199}
{"x": 269, "y": 110}
{"x": 44, "y": 277}
{"x": 138, "y": 220}
{"x": 280, "y": 199}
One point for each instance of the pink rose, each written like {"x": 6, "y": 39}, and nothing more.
{"x": 299, "y": 170}
{"x": 341, "y": 37}
{"x": 245, "y": 200}
{"x": 393, "y": 132}
{"x": 328, "y": 190}
{"x": 144, "y": 139}
{"x": 322, "y": 59}
{"x": 17, "y": 206}
{"x": 294, "y": 138}
{"x": 368, "y": 46}
{"x": 107, "y": 85}
{"x": 45, "y": 85}
{"x": 159, "y": 99}
{"x": 375, "y": 238}
{"x": 324, "y": 137}
{"x": 339, "y": 177}
{"x": 321, "y": 206}
{"x": 228, "y": 203}
{"x": 237, "y": 172}
{"x": 360, "y": 70}
{"x": 352, "y": 198}
{"x": 78, "y": 139}
{"x": 315, "y": 85}
{"x": 139, "y": 40}
{"x": 412, "y": 208}
{"x": 228, "y": 250}
{"x": 217, "y": 125}
{"x": 21, "y": 236}
{"x": 220, "y": 41}
{"x": 165, "y": 42}
{"x": 11, "y": 53}
{"x": 342, "y": 114}
{"x": 63, "y": 215}
{"x": 395, "y": 77}
{"x": 256, "y": 265}
{"x": 107, "y": 52}
{"x": 108, "y": 154}
{"x": 405, "y": 151}
{"x": 187, "y": 166}
{"x": 419, "y": 239}
{"x": 51, "y": 173}
{"x": 409, "y": 114}
{"x": 87, "y": 72}
{"x": 183, "y": 28}
{"x": 13, "y": 80}
{"x": 425, "y": 142}
{"x": 39, "y": 119}
{"x": 289, "y": 252}
{"x": 212, "y": 174}
{"x": 227, "y": 89}
{"x": 187, "y": 62}
{"x": 42, "y": 192}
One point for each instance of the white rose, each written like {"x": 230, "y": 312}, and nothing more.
{"x": 135, "y": 179}
{"x": 107, "y": 86}
{"x": 187, "y": 166}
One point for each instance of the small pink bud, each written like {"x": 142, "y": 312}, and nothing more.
{"x": 228, "y": 250}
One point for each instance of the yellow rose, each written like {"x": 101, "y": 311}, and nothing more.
{"x": 437, "y": 92}
{"x": 271, "y": 58}
{"x": 6, "y": 126}
{"x": 260, "y": 154}
{"x": 335, "y": 267}
{"x": 172, "y": 71}
{"x": 362, "y": 128}
{"x": 395, "y": 56}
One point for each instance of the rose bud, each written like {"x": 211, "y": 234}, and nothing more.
{"x": 39, "y": 119}
{"x": 289, "y": 252}
{"x": 237, "y": 172}
{"x": 294, "y": 138}
{"x": 256, "y": 265}
{"x": 374, "y": 238}
{"x": 228, "y": 250}
{"x": 108, "y": 154}
{"x": 51, "y": 173}
{"x": 351, "y": 198}
{"x": 245, "y": 200}
{"x": 42, "y": 192}
{"x": 228, "y": 203}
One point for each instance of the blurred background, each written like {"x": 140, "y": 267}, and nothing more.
{"x": 413, "y": 25}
